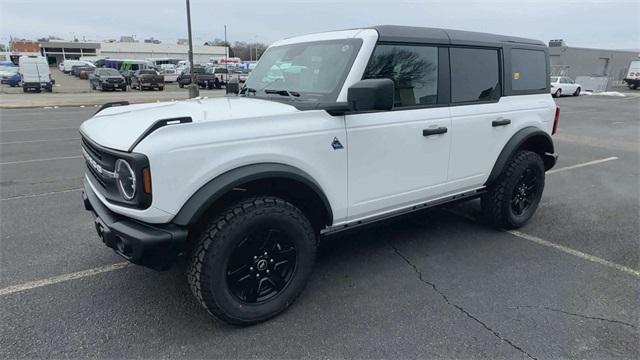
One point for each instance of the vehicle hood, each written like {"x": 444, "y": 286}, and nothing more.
{"x": 120, "y": 127}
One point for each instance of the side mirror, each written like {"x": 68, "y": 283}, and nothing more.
{"x": 233, "y": 86}
{"x": 371, "y": 94}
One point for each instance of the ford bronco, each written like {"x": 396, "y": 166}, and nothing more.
{"x": 331, "y": 131}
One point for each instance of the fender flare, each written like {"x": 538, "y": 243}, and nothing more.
{"x": 516, "y": 142}
{"x": 201, "y": 200}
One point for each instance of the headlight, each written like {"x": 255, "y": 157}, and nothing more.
{"x": 126, "y": 179}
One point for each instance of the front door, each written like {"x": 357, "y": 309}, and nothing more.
{"x": 398, "y": 158}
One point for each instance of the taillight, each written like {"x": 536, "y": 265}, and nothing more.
{"x": 556, "y": 120}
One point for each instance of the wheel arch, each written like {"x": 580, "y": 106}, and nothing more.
{"x": 276, "y": 179}
{"x": 529, "y": 138}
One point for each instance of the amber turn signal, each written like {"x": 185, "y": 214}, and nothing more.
{"x": 146, "y": 180}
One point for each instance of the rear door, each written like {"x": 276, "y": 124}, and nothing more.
{"x": 400, "y": 157}
{"x": 480, "y": 126}
{"x": 489, "y": 105}
{"x": 29, "y": 71}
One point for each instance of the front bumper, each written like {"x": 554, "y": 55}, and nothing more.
{"x": 121, "y": 85}
{"x": 153, "y": 246}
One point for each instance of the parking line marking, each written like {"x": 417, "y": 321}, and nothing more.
{"x": 41, "y": 194}
{"x": 576, "y": 253}
{"x": 37, "y": 141}
{"x": 61, "y": 278}
{"x": 588, "y": 163}
{"x": 42, "y": 129}
{"x": 38, "y": 160}
{"x": 562, "y": 248}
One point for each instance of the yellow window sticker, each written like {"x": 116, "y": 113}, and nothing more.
{"x": 516, "y": 76}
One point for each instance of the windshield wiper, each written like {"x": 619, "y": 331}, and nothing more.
{"x": 282, "y": 92}
{"x": 247, "y": 90}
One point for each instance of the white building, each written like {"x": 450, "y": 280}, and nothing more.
{"x": 141, "y": 51}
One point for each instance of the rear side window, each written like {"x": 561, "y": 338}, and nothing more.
{"x": 529, "y": 70}
{"x": 475, "y": 75}
{"x": 413, "y": 69}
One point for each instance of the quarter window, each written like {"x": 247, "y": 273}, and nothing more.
{"x": 413, "y": 69}
{"x": 529, "y": 69}
{"x": 475, "y": 75}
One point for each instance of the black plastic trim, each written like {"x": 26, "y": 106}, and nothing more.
{"x": 192, "y": 211}
{"x": 514, "y": 144}
{"x": 157, "y": 125}
{"x": 112, "y": 104}
{"x": 152, "y": 245}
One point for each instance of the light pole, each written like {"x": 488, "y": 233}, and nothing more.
{"x": 193, "y": 87}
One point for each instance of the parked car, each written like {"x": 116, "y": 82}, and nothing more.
{"x": 10, "y": 76}
{"x": 362, "y": 125}
{"x": 107, "y": 79}
{"x": 67, "y": 65}
{"x": 205, "y": 77}
{"x": 633, "y": 75}
{"x": 564, "y": 85}
{"x": 76, "y": 69}
{"x": 147, "y": 79}
{"x": 34, "y": 73}
{"x": 86, "y": 72}
{"x": 170, "y": 75}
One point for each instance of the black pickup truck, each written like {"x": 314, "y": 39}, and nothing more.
{"x": 147, "y": 79}
{"x": 204, "y": 78}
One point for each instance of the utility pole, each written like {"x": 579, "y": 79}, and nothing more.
{"x": 193, "y": 87}
{"x": 226, "y": 48}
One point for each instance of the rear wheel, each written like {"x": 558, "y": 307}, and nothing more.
{"x": 514, "y": 197}
{"x": 253, "y": 260}
{"x": 577, "y": 92}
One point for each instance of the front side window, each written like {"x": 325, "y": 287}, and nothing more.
{"x": 413, "y": 69}
{"x": 475, "y": 74}
{"x": 529, "y": 68}
{"x": 313, "y": 71}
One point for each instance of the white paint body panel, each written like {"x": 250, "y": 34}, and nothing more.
{"x": 567, "y": 88}
{"x": 386, "y": 164}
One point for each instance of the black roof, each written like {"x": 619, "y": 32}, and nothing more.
{"x": 414, "y": 34}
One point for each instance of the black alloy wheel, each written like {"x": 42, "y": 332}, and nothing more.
{"x": 261, "y": 266}
{"x": 525, "y": 192}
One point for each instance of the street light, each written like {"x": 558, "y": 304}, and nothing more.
{"x": 193, "y": 87}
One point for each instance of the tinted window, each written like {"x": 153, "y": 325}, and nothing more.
{"x": 413, "y": 69}
{"x": 529, "y": 70}
{"x": 474, "y": 75}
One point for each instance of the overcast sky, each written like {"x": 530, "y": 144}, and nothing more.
{"x": 609, "y": 24}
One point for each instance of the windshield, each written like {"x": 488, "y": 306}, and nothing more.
{"x": 109, "y": 72}
{"x": 313, "y": 70}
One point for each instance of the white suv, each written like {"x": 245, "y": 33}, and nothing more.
{"x": 331, "y": 131}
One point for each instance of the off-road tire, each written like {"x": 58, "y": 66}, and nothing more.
{"x": 216, "y": 242}
{"x": 496, "y": 203}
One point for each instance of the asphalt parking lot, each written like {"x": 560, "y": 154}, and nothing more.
{"x": 435, "y": 284}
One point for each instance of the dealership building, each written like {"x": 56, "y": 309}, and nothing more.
{"x": 597, "y": 69}
{"x": 57, "y": 51}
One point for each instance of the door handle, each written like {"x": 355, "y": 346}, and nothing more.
{"x": 434, "y": 131}
{"x": 500, "y": 122}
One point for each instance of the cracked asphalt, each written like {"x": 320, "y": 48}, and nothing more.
{"x": 434, "y": 284}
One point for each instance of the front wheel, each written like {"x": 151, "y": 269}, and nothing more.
{"x": 253, "y": 260}
{"x": 577, "y": 92}
{"x": 514, "y": 197}
{"x": 558, "y": 93}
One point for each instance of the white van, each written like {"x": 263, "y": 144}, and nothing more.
{"x": 633, "y": 75}
{"x": 34, "y": 71}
